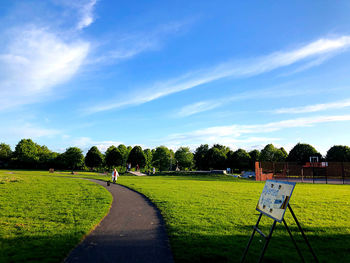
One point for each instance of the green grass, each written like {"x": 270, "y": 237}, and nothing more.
{"x": 42, "y": 217}
{"x": 210, "y": 219}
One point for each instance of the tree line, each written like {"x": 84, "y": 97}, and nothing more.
{"x": 30, "y": 155}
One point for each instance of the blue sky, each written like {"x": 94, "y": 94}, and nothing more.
{"x": 175, "y": 73}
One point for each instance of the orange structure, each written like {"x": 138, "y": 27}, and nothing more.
{"x": 259, "y": 175}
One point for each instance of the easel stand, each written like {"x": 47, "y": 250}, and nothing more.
{"x": 268, "y": 237}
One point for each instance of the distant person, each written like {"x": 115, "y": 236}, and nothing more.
{"x": 137, "y": 167}
{"x": 154, "y": 170}
{"x": 115, "y": 176}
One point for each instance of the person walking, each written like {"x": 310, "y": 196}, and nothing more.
{"x": 115, "y": 176}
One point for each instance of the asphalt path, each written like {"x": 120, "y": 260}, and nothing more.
{"x": 133, "y": 231}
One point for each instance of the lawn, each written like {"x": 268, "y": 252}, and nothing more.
{"x": 42, "y": 217}
{"x": 209, "y": 218}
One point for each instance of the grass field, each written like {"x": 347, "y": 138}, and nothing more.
{"x": 42, "y": 218}
{"x": 210, "y": 218}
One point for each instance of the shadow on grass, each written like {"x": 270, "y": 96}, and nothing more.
{"x": 230, "y": 248}
{"x": 37, "y": 248}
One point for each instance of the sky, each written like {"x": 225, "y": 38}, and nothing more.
{"x": 176, "y": 73}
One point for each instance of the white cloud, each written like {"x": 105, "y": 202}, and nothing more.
{"x": 245, "y": 68}
{"x": 238, "y": 133}
{"x": 33, "y": 62}
{"x": 317, "y": 107}
{"x": 85, "y": 143}
{"x": 26, "y": 130}
{"x": 86, "y": 13}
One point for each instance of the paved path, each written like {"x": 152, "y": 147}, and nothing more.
{"x": 137, "y": 173}
{"x": 133, "y": 231}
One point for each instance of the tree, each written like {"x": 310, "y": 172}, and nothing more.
{"x": 113, "y": 157}
{"x": 73, "y": 158}
{"x": 338, "y": 153}
{"x": 302, "y": 152}
{"x": 136, "y": 156}
{"x": 216, "y": 157}
{"x": 124, "y": 152}
{"x": 200, "y": 157}
{"x": 162, "y": 158}
{"x": 148, "y": 156}
{"x": 5, "y": 154}
{"x": 184, "y": 158}
{"x": 272, "y": 154}
{"x": 26, "y": 154}
{"x": 240, "y": 160}
{"x": 254, "y": 157}
{"x": 93, "y": 158}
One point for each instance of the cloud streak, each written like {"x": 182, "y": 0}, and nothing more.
{"x": 238, "y": 133}
{"x": 314, "y": 108}
{"x": 245, "y": 68}
{"x": 33, "y": 62}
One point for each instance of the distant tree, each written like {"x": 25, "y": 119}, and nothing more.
{"x": 26, "y": 154}
{"x": 240, "y": 160}
{"x": 148, "y": 158}
{"x": 124, "y": 152}
{"x": 302, "y": 152}
{"x": 5, "y": 154}
{"x": 338, "y": 153}
{"x": 162, "y": 158}
{"x": 73, "y": 158}
{"x": 113, "y": 157}
{"x": 200, "y": 157}
{"x": 137, "y": 157}
{"x": 216, "y": 157}
{"x": 254, "y": 157}
{"x": 46, "y": 157}
{"x": 184, "y": 158}
{"x": 93, "y": 158}
{"x": 272, "y": 154}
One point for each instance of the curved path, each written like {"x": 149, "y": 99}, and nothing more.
{"x": 133, "y": 231}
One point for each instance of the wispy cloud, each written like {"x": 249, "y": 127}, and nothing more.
{"x": 241, "y": 133}
{"x": 85, "y": 143}
{"x": 243, "y": 68}
{"x": 27, "y": 130}
{"x": 33, "y": 62}
{"x": 86, "y": 14}
{"x": 317, "y": 107}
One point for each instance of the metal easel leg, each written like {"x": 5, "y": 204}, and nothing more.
{"x": 293, "y": 240}
{"x": 267, "y": 241}
{"x": 251, "y": 239}
{"x": 302, "y": 233}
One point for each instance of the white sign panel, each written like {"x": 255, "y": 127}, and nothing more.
{"x": 274, "y": 199}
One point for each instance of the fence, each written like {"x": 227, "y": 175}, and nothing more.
{"x": 331, "y": 172}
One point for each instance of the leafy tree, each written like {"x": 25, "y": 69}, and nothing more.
{"x": 254, "y": 157}
{"x": 124, "y": 152}
{"x": 73, "y": 158}
{"x": 46, "y": 157}
{"x": 216, "y": 157}
{"x": 148, "y": 156}
{"x": 184, "y": 157}
{"x": 93, "y": 158}
{"x": 272, "y": 154}
{"x": 200, "y": 157}
{"x": 26, "y": 154}
{"x": 240, "y": 159}
{"x": 136, "y": 156}
{"x": 338, "y": 153}
{"x": 162, "y": 158}
{"x": 302, "y": 152}
{"x": 113, "y": 157}
{"x": 5, "y": 154}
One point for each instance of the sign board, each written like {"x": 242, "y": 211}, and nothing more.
{"x": 274, "y": 199}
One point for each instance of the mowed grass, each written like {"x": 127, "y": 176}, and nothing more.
{"x": 43, "y": 217}
{"x": 210, "y": 219}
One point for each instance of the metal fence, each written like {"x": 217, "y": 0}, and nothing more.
{"x": 331, "y": 172}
